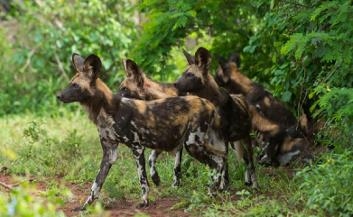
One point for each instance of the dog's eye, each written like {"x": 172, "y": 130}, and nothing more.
{"x": 123, "y": 88}
{"x": 74, "y": 85}
{"x": 189, "y": 74}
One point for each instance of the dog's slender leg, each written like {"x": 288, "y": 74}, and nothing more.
{"x": 238, "y": 150}
{"x": 222, "y": 171}
{"x": 109, "y": 157}
{"x": 152, "y": 163}
{"x": 241, "y": 149}
{"x": 225, "y": 174}
{"x": 219, "y": 179}
{"x": 273, "y": 149}
{"x": 138, "y": 152}
{"x": 250, "y": 175}
{"x": 177, "y": 167}
{"x": 214, "y": 161}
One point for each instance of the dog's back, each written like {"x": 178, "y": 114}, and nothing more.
{"x": 138, "y": 86}
{"x": 162, "y": 124}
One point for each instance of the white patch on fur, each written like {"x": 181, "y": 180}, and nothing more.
{"x": 113, "y": 155}
{"x": 134, "y": 125}
{"x": 144, "y": 131}
{"x": 139, "y": 150}
{"x": 152, "y": 158}
{"x": 285, "y": 158}
{"x": 192, "y": 137}
{"x": 136, "y": 138}
{"x": 125, "y": 139}
{"x": 247, "y": 176}
{"x": 145, "y": 185}
{"x": 95, "y": 190}
{"x": 176, "y": 164}
{"x": 264, "y": 157}
{"x": 217, "y": 159}
{"x": 125, "y": 100}
{"x": 222, "y": 184}
{"x": 177, "y": 159}
{"x": 217, "y": 144}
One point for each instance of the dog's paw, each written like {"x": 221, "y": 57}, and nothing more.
{"x": 142, "y": 205}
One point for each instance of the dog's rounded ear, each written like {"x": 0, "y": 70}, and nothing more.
{"x": 222, "y": 62}
{"x": 92, "y": 66}
{"x": 222, "y": 73}
{"x": 190, "y": 58}
{"x": 235, "y": 58}
{"x": 77, "y": 61}
{"x": 203, "y": 58}
{"x": 132, "y": 70}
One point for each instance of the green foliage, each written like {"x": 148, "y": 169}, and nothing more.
{"x": 176, "y": 23}
{"x": 42, "y": 152}
{"x": 37, "y": 58}
{"x": 337, "y": 103}
{"x": 309, "y": 41}
{"x": 336, "y": 106}
{"x": 49, "y": 148}
{"x": 291, "y": 47}
{"x": 295, "y": 48}
{"x": 300, "y": 50}
{"x": 21, "y": 202}
{"x": 326, "y": 188}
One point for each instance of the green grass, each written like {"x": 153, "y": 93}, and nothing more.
{"x": 66, "y": 146}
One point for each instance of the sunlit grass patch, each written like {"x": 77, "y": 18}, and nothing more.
{"x": 66, "y": 148}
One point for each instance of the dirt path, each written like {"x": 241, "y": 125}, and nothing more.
{"x": 122, "y": 208}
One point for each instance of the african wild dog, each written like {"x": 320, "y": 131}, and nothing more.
{"x": 235, "y": 117}
{"x": 163, "y": 124}
{"x": 137, "y": 85}
{"x": 278, "y": 126}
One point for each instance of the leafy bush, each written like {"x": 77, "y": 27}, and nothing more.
{"x": 306, "y": 44}
{"x": 20, "y": 202}
{"x": 336, "y": 106}
{"x": 327, "y": 187}
{"x": 36, "y": 62}
{"x": 297, "y": 49}
{"x": 291, "y": 47}
{"x": 43, "y": 152}
{"x": 224, "y": 26}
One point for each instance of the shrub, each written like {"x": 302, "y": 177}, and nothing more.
{"x": 327, "y": 187}
{"x": 37, "y": 60}
{"x": 21, "y": 202}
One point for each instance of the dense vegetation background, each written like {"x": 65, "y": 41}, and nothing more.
{"x": 302, "y": 51}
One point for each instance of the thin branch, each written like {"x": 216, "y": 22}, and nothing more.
{"x": 61, "y": 67}
{"x": 28, "y": 61}
{"x": 8, "y": 187}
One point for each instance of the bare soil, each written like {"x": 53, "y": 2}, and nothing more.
{"x": 162, "y": 207}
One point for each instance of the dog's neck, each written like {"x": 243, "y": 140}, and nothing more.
{"x": 240, "y": 81}
{"x": 102, "y": 98}
{"x": 213, "y": 93}
{"x": 156, "y": 90}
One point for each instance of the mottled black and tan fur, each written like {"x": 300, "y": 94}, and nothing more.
{"x": 282, "y": 135}
{"x": 164, "y": 124}
{"x": 137, "y": 85}
{"x": 235, "y": 117}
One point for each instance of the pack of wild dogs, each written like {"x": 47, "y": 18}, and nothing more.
{"x": 200, "y": 113}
